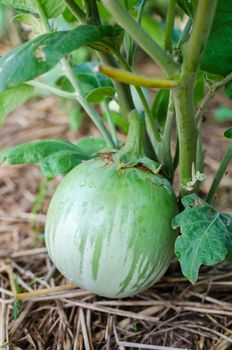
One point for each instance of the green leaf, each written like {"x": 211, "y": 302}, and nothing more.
{"x": 228, "y": 133}
{"x": 91, "y": 145}
{"x": 228, "y": 90}
{"x": 88, "y": 78}
{"x": 119, "y": 121}
{"x": 3, "y": 20}
{"x": 204, "y": 236}
{"x": 98, "y": 95}
{"x": 60, "y": 162}
{"x": 217, "y": 56}
{"x": 187, "y": 6}
{"x": 30, "y": 19}
{"x": 54, "y": 156}
{"x": 223, "y": 114}
{"x": 13, "y": 98}
{"x": 199, "y": 87}
{"x": 33, "y": 152}
{"x": 52, "y": 8}
{"x": 160, "y": 106}
{"x": 44, "y": 52}
{"x": 154, "y": 28}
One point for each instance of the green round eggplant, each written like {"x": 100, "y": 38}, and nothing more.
{"x": 108, "y": 230}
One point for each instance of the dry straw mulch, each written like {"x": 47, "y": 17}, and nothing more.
{"x": 40, "y": 310}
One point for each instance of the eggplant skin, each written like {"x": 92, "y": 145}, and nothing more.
{"x": 108, "y": 230}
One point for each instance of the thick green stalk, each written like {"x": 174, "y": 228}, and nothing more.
{"x": 141, "y": 37}
{"x": 76, "y": 10}
{"x": 166, "y": 139}
{"x": 152, "y": 130}
{"x": 134, "y": 148}
{"x": 220, "y": 173}
{"x": 169, "y": 25}
{"x": 92, "y": 15}
{"x": 184, "y": 93}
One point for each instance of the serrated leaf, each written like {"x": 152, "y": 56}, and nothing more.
{"x": 91, "y": 145}
{"x": 13, "y": 98}
{"x": 44, "y": 52}
{"x": 217, "y": 56}
{"x": 204, "y": 236}
{"x": 100, "y": 94}
{"x": 228, "y": 133}
{"x": 52, "y": 8}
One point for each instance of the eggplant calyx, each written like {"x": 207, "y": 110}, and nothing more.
{"x": 133, "y": 153}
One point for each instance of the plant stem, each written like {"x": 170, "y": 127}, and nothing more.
{"x": 166, "y": 140}
{"x": 132, "y": 46}
{"x": 110, "y": 122}
{"x": 219, "y": 174}
{"x": 92, "y": 15}
{"x": 53, "y": 90}
{"x": 123, "y": 90}
{"x": 85, "y": 105}
{"x": 199, "y": 35}
{"x": 141, "y": 37}
{"x": 169, "y": 25}
{"x": 139, "y": 80}
{"x": 185, "y": 34}
{"x": 76, "y": 10}
{"x": 152, "y": 130}
{"x": 79, "y": 94}
{"x": 184, "y": 93}
{"x": 43, "y": 16}
{"x": 210, "y": 95}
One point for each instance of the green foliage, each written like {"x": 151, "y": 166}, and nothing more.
{"x": 100, "y": 94}
{"x": 30, "y": 19}
{"x": 187, "y": 6}
{"x": 205, "y": 236}
{"x": 228, "y": 90}
{"x": 3, "y": 20}
{"x": 160, "y": 107}
{"x": 95, "y": 86}
{"x": 228, "y": 133}
{"x": 12, "y": 98}
{"x": 223, "y": 114}
{"x": 54, "y": 156}
{"x": 199, "y": 88}
{"x": 218, "y": 52}
{"x": 119, "y": 121}
{"x": 91, "y": 145}
{"x": 154, "y": 28}
{"x": 45, "y": 51}
{"x": 52, "y": 8}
